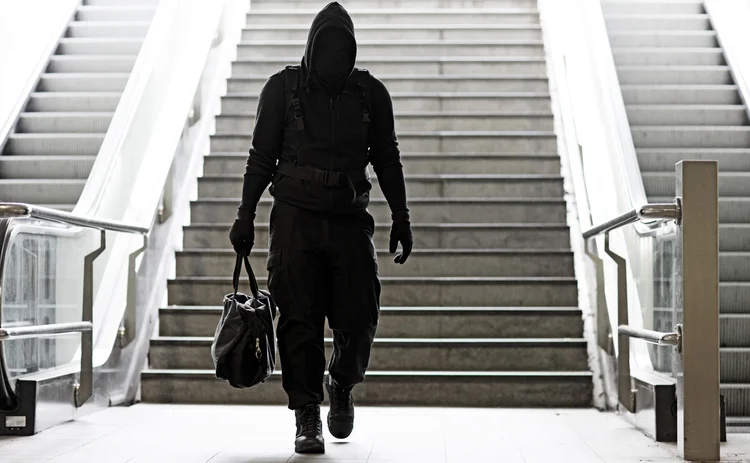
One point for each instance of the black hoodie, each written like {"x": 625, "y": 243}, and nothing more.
{"x": 335, "y": 138}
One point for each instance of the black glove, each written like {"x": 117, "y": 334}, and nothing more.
{"x": 401, "y": 233}
{"x": 242, "y": 236}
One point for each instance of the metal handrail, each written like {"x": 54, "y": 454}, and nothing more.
{"x": 36, "y": 331}
{"x": 653, "y": 337}
{"x": 649, "y": 212}
{"x": 21, "y": 210}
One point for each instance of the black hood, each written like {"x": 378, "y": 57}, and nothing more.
{"x": 333, "y": 16}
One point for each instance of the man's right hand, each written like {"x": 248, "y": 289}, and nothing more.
{"x": 242, "y": 236}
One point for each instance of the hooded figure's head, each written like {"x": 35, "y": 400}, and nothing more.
{"x": 331, "y": 49}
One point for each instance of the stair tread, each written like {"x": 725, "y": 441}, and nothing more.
{"x": 435, "y": 95}
{"x": 361, "y": 43}
{"x": 520, "y": 177}
{"x": 57, "y": 135}
{"x": 454, "y": 226}
{"x": 243, "y": 155}
{"x": 448, "y": 251}
{"x": 410, "y": 59}
{"x": 387, "y": 26}
{"x": 580, "y": 342}
{"x": 63, "y": 114}
{"x": 384, "y": 77}
{"x": 420, "y": 310}
{"x": 484, "y": 200}
{"x": 405, "y": 374}
{"x": 106, "y": 94}
{"x": 390, "y": 11}
{"x": 180, "y": 279}
{"x": 100, "y": 40}
{"x": 679, "y": 86}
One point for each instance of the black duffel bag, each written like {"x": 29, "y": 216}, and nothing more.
{"x": 244, "y": 347}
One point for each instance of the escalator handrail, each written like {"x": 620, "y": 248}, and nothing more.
{"x": 21, "y": 210}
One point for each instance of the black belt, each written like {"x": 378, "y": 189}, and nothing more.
{"x": 325, "y": 177}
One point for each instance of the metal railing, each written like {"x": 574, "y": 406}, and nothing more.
{"x": 84, "y": 389}
{"x": 695, "y": 306}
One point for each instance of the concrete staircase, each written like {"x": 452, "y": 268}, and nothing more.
{"x": 485, "y": 311}
{"x": 49, "y": 156}
{"x": 682, "y": 103}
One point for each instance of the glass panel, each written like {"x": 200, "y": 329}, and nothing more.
{"x": 42, "y": 284}
{"x": 653, "y": 267}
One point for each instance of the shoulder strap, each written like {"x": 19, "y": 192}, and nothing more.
{"x": 362, "y": 80}
{"x": 292, "y": 75}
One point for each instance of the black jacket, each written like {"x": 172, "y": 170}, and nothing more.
{"x": 335, "y": 138}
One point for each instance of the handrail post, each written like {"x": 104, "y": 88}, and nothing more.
{"x": 624, "y": 380}
{"x": 128, "y": 327}
{"x": 697, "y": 310}
{"x": 85, "y": 388}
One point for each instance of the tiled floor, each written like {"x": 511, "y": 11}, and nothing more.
{"x": 196, "y": 434}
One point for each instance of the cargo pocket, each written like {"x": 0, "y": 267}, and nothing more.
{"x": 276, "y": 277}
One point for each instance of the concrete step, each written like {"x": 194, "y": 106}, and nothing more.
{"x": 416, "y": 322}
{"x": 99, "y": 46}
{"x": 406, "y": 354}
{"x": 433, "y": 236}
{"x": 74, "y": 102}
{"x": 116, "y": 13}
{"x": 735, "y": 331}
{"x": 430, "y": 65}
{"x": 426, "y": 163}
{"x": 681, "y": 94}
{"x": 675, "y": 75}
{"x": 690, "y": 136}
{"x": 737, "y": 397}
{"x": 57, "y": 191}
{"x": 734, "y": 237}
{"x": 734, "y": 297}
{"x": 735, "y": 266}
{"x": 426, "y": 210}
{"x": 121, "y": 2}
{"x": 401, "y": 4}
{"x": 108, "y": 29}
{"x": 90, "y": 82}
{"x": 426, "y": 83}
{"x": 64, "y": 122}
{"x": 660, "y": 22}
{"x": 731, "y": 184}
{"x": 405, "y": 16}
{"x": 58, "y": 144}
{"x": 418, "y": 291}
{"x": 426, "y": 263}
{"x": 437, "y": 142}
{"x": 655, "y": 7}
{"x": 731, "y": 210}
{"x": 272, "y": 48}
{"x": 639, "y": 56}
{"x": 734, "y": 364}
{"x": 667, "y": 39}
{"x": 425, "y": 186}
{"x": 91, "y": 64}
{"x": 420, "y": 31}
{"x": 239, "y": 103}
{"x": 664, "y": 159}
{"x": 428, "y": 121}
{"x": 680, "y": 114}
{"x": 46, "y": 167}
{"x": 444, "y": 389}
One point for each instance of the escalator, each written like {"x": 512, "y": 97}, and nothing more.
{"x": 48, "y": 158}
{"x": 682, "y": 102}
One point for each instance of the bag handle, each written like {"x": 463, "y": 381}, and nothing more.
{"x": 236, "y": 277}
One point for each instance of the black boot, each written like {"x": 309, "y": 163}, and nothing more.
{"x": 341, "y": 415}
{"x": 309, "y": 430}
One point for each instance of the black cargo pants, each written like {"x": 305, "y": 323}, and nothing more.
{"x": 322, "y": 266}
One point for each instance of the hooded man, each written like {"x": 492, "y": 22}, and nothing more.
{"x": 317, "y": 128}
